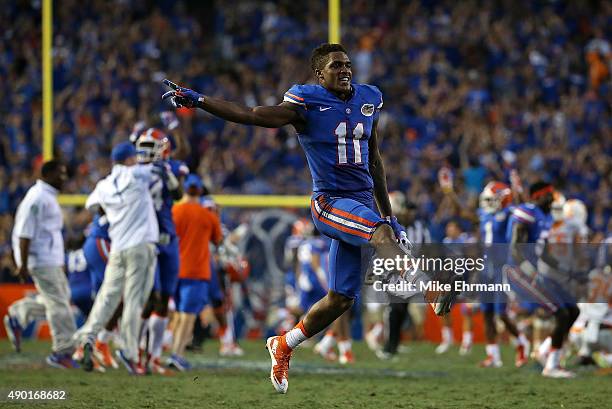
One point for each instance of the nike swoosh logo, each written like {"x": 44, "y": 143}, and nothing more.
{"x": 324, "y": 109}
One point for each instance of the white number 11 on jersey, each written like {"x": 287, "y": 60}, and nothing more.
{"x": 341, "y": 135}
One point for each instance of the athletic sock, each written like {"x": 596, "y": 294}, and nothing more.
{"x": 226, "y": 335}
{"x": 168, "y": 337}
{"x": 554, "y": 359}
{"x": 545, "y": 346}
{"x": 522, "y": 339}
{"x": 466, "y": 338}
{"x": 493, "y": 352}
{"x": 377, "y": 330}
{"x": 344, "y": 346}
{"x": 296, "y": 336}
{"x": 142, "y": 343}
{"x": 157, "y": 325}
{"x": 447, "y": 335}
{"x": 328, "y": 341}
{"x": 104, "y": 336}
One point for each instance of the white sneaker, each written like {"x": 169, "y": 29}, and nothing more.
{"x": 346, "y": 358}
{"x": 326, "y": 350}
{"x": 231, "y": 350}
{"x": 465, "y": 349}
{"x": 491, "y": 362}
{"x": 443, "y": 347}
{"x": 558, "y": 373}
{"x": 386, "y": 356}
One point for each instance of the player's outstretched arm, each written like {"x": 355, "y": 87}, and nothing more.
{"x": 266, "y": 116}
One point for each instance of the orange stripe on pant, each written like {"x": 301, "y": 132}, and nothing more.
{"x": 338, "y": 226}
{"x": 348, "y": 215}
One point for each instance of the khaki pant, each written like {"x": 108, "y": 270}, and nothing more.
{"x": 129, "y": 274}
{"x": 54, "y": 292}
{"x": 28, "y": 309}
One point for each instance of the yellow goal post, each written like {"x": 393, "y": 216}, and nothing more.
{"x": 221, "y": 200}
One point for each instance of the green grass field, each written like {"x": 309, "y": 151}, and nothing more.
{"x": 418, "y": 379}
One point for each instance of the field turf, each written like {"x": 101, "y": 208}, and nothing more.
{"x": 417, "y": 379}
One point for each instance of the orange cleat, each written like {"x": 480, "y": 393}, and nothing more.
{"x": 104, "y": 356}
{"x": 280, "y": 354}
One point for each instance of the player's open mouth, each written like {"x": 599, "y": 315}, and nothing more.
{"x": 345, "y": 80}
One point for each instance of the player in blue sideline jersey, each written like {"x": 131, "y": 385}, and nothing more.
{"x": 312, "y": 276}
{"x": 90, "y": 260}
{"x": 336, "y": 123}
{"x": 493, "y": 214}
{"x": 95, "y": 249}
{"x": 153, "y": 146}
{"x": 530, "y": 223}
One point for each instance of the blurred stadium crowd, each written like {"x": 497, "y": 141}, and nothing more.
{"x": 482, "y": 87}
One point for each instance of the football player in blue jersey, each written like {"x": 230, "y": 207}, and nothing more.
{"x": 494, "y": 212}
{"x": 529, "y": 223}
{"x": 153, "y": 146}
{"x": 336, "y": 122}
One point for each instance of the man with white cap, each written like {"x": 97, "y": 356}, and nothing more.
{"x": 125, "y": 199}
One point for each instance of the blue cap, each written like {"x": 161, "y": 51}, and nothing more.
{"x": 122, "y": 151}
{"x": 193, "y": 180}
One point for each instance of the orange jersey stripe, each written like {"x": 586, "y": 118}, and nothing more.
{"x": 294, "y": 96}
{"x": 101, "y": 250}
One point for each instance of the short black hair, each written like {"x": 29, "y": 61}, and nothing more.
{"x": 539, "y": 185}
{"x": 50, "y": 167}
{"x": 318, "y": 58}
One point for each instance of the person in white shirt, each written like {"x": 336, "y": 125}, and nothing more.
{"x": 125, "y": 199}
{"x": 38, "y": 248}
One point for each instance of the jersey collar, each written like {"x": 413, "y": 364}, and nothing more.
{"x": 353, "y": 93}
{"x": 47, "y": 187}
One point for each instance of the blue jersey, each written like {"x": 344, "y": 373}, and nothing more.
{"x": 493, "y": 226}
{"x": 98, "y": 229}
{"x": 335, "y": 138}
{"x": 311, "y": 280}
{"x": 162, "y": 198}
{"x": 76, "y": 267}
{"x": 537, "y": 222}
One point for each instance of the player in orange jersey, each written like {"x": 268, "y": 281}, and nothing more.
{"x": 196, "y": 227}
